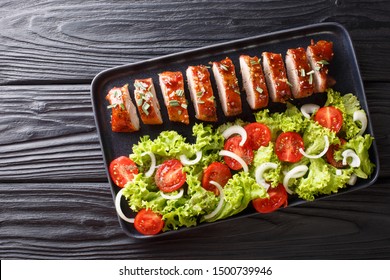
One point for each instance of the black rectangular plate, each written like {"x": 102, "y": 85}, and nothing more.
{"x": 343, "y": 68}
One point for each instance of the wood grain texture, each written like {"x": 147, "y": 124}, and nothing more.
{"x": 78, "y": 221}
{"x": 55, "y": 41}
{"x": 48, "y": 134}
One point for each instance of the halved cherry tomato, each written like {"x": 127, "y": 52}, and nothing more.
{"x": 122, "y": 170}
{"x": 245, "y": 152}
{"x": 330, "y": 154}
{"x": 287, "y": 146}
{"x": 277, "y": 198}
{"x": 147, "y": 222}
{"x": 170, "y": 176}
{"x": 329, "y": 117}
{"x": 217, "y": 172}
{"x": 258, "y": 135}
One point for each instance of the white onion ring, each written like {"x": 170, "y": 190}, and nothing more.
{"x": 173, "y": 197}
{"x": 326, "y": 139}
{"x": 360, "y": 116}
{"x": 308, "y": 109}
{"x": 352, "y": 180}
{"x": 220, "y": 202}
{"x": 152, "y": 165}
{"x": 296, "y": 172}
{"x": 236, "y": 129}
{"x": 185, "y": 161}
{"x": 235, "y": 157}
{"x": 259, "y": 173}
{"x": 351, "y": 154}
{"x": 119, "y": 209}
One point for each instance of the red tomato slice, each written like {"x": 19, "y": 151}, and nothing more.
{"x": 170, "y": 176}
{"x": 258, "y": 135}
{"x": 330, "y": 154}
{"x": 287, "y": 147}
{"x": 330, "y": 117}
{"x": 217, "y": 172}
{"x": 147, "y": 222}
{"x": 277, "y": 198}
{"x": 245, "y": 152}
{"x": 122, "y": 171}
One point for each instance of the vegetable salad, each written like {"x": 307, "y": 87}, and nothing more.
{"x": 332, "y": 153}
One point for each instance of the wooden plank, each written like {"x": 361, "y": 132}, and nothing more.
{"x": 78, "y": 221}
{"x": 53, "y": 42}
{"x": 49, "y": 134}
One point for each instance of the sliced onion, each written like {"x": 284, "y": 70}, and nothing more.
{"x": 152, "y": 165}
{"x": 235, "y": 157}
{"x": 185, "y": 161}
{"x": 296, "y": 172}
{"x": 308, "y": 109}
{"x": 351, "y": 154}
{"x": 260, "y": 170}
{"x": 339, "y": 172}
{"x": 360, "y": 116}
{"x": 236, "y": 129}
{"x": 220, "y": 203}
{"x": 173, "y": 197}
{"x": 326, "y": 139}
{"x": 352, "y": 180}
{"x": 119, "y": 209}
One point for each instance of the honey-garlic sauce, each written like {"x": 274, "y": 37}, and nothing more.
{"x": 258, "y": 81}
{"x": 204, "y": 93}
{"x": 177, "y": 103}
{"x": 281, "y": 83}
{"x": 233, "y": 96}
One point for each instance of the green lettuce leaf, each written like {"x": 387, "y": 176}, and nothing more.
{"x": 238, "y": 192}
{"x": 361, "y": 146}
{"x": 320, "y": 179}
{"x": 290, "y": 120}
{"x": 264, "y": 155}
{"x": 348, "y": 104}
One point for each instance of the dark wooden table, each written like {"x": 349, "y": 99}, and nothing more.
{"x": 55, "y": 201}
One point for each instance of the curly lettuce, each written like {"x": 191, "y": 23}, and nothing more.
{"x": 321, "y": 178}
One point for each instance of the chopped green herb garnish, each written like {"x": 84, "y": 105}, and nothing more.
{"x": 211, "y": 98}
{"x": 173, "y": 103}
{"x": 253, "y": 61}
{"x": 179, "y": 112}
{"x": 200, "y": 101}
{"x": 303, "y": 74}
{"x": 259, "y": 89}
{"x": 150, "y": 94}
{"x": 139, "y": 101}
{"x": 323, "y": 62}
{"x": 145, "y": 108}
{"x": 199, "y": 93}
{"x": 116, "y": 93}
{"x": 184, "y": 106}
{"x": 317, "y": 68}
{"x": 288, "y": 82}
{"x": 311, "y": 78}
{"x": 139, "y": 85}
{"x": 224, "y": 67}
{"x": 116, "y": 104}
{"x": 180, "y": 92}
{"x": 310, "y": 72}
{"x": 237, "y": 91}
